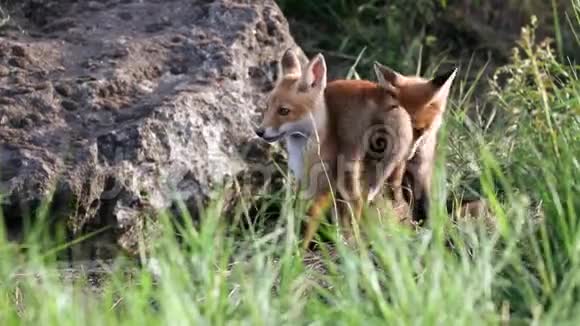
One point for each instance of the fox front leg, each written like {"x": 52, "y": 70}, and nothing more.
{"x": 315, "y": 214}
{"x": 349, "y": 188}
{"x": 418, "y": 177}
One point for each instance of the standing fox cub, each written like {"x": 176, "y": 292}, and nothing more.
{"x": 345, "y": 138}
{"x": 425, "y": 101}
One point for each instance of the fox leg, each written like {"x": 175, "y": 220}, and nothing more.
{"x": 348, "y": 185}
{"x": 418, "y": 177}
{"x": 419, "y": 197}
{"x": 397, "y": 133}
{"x": 396, "y": 182}
{"x": 315, "y": 213}
{"x": 318, "y": 187}
{"x": 350, "y": 213}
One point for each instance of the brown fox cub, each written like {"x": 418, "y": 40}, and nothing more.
{"x": 342, "y": 138}
{"x": 425, "y": 101}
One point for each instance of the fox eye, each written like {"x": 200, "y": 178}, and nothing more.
{"x": 283, "y": 110}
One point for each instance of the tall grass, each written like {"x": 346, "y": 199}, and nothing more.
{"x": 400, "y": 33}
{"x": 523, "y": 160}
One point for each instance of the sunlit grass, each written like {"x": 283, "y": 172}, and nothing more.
{"x": 524, "y": 163}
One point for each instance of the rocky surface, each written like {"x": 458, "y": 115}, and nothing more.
{"x": 123, "y": 107}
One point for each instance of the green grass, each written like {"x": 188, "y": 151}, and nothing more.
{"x": 518, "y": 148}
{"x": 422, "y": 34}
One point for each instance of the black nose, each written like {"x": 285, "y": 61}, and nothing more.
{"x": 260, "y": 132}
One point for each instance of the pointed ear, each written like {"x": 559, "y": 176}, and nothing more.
{"x": 290, "y": 65}
{"x": 442, "y": 83}
{"x": 315, "y": 76}
{"x": 441, "y": 80}
{"x": 386, "y": 76}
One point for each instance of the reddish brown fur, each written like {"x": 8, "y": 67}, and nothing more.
{"x": 415, "y": 95}
{"x": 425, "y": 101}
{"x": 352, "y": 106}
{"x": 286, "y": 94}
{"x": 342, "y": 114}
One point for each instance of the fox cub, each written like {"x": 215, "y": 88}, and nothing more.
{"x": 425, "y": 101}
{"x": 344, "y": 138}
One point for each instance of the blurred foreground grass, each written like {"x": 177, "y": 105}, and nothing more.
{"x": 518, "y": 148}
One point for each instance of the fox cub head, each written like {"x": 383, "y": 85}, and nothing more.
{"x": 296, "y": 104}
{"x": 419, "y": 96}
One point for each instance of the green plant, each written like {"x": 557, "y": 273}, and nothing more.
{"x": 524, "y": 140}
{"x": 395, "y": 31}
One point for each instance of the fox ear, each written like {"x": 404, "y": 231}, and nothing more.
{"x": 386, "y": 76}
{"x": 442, "y": 83}
{"x": 315, "y": 76}
{"x": 290, "y": 65}
{"x": 445, "y": 78}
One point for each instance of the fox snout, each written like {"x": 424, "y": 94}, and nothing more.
{"x": 269, "y": 134}
{"x": 260, "y": 132}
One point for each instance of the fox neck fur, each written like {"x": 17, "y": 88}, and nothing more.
{"x": 298, "y": 143}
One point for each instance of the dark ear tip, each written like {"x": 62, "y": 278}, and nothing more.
{"x": 381, "y": 66}
{"x": 385, "y": 70}
{"x": 319, "y": 56}
{"x": 288, "y": 53}
{"x": 289, "y": 59}
{"x": 440, "y": 80}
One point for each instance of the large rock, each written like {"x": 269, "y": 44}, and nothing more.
{"x": 120, "y": 107}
